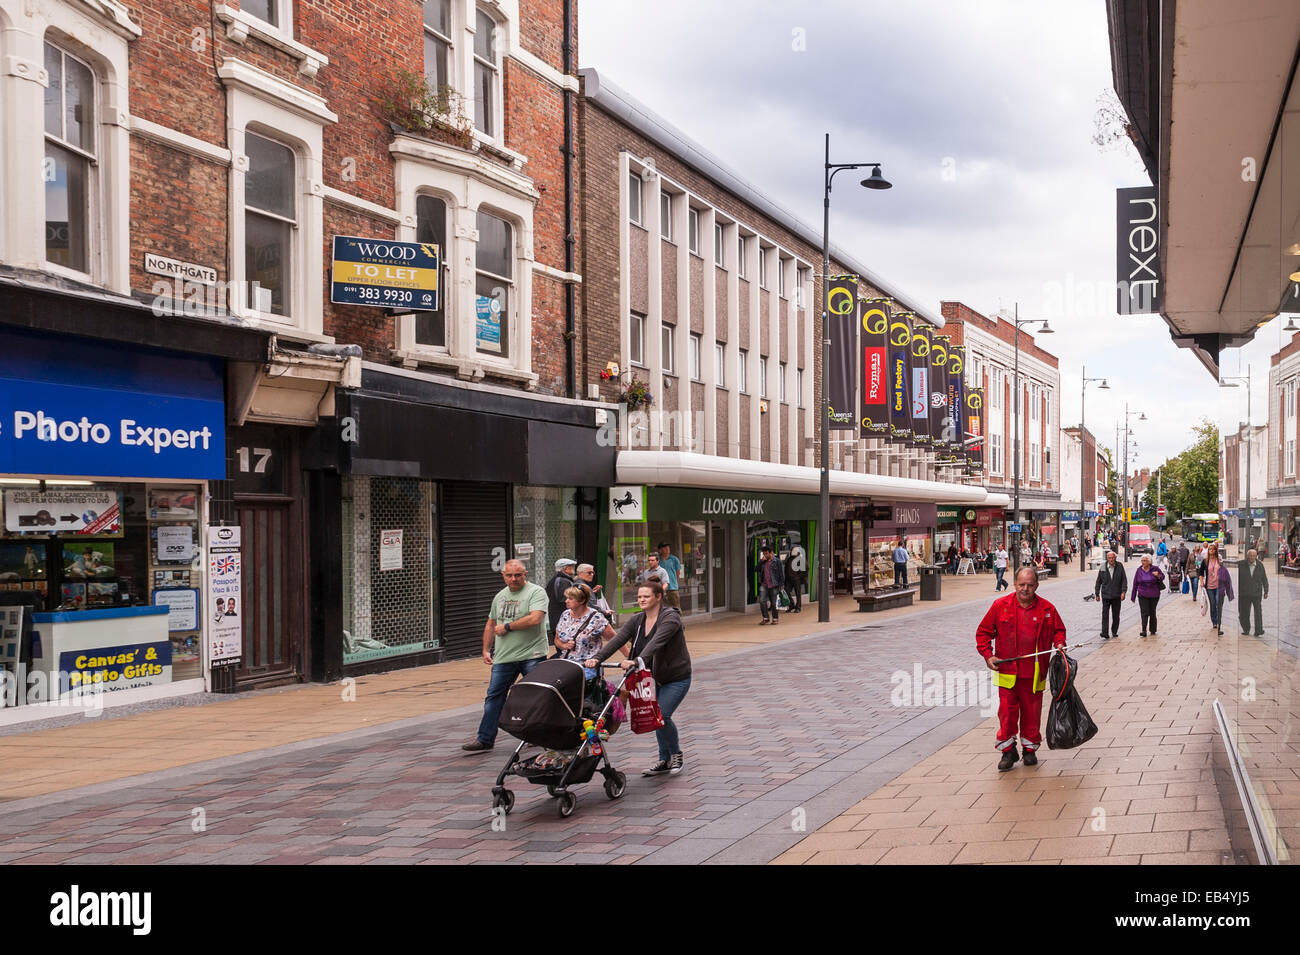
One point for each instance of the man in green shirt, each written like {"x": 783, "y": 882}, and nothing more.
{"x": 514, "y": 641}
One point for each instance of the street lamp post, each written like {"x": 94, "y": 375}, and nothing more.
{"x": 1046, "y": 330}
{"x": 1230, "y": 381}
{"x": 874, "y": 181}
{"x": 1126, "y": 516}
{"x": 1083, "y": 446}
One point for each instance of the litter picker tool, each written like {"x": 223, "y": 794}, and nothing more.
{"x": 1026, "y": 656}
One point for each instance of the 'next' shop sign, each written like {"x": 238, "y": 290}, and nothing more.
{"x": 76, "y": 407}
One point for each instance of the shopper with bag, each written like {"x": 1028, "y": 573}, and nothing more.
{"x": 1148, "y": 581}
{"x": 658, "y": 642}
{"x": 1218, "y": 586}
{"x": 582, "y": 629}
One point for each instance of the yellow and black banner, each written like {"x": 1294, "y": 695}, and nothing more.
{"x": 975, "y": 428}
{"x": 841, "y": 329}
{"x": 876, "y": 370}
{"x": 920, "y": 392}
{"x": 900, "y": 358}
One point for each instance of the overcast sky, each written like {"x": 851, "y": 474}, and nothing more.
{"x": 1003, "y": 94}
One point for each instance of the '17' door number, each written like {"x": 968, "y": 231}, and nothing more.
{"x": 263, "y": 456}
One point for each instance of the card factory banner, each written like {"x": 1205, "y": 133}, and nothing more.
{"x": 900, "y": 357}
{"x": 940, "y": 433}
{"x": 956, "y": 406}
{"x": 975, "y": 427}
{"x": 875, "y": 370}
{"x": 841, "y": 319}
{"x": 920, "y": 389}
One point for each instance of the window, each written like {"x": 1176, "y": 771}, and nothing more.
{"x": 1035, "y": 458}
{"x": 486, "y": 75}
{"x": 782, "y": 380}
{"x": 1047, "y": 409}
{"x": 762, "y": 267}
{"x": 720, "y": 364}
{"x": 694, "y": 357}
{"x": 741, "y": 259}
{"x": 762, "y": 376}
{"x": 431, "y": 227}
{"x": 268, "y": 11}
{"x": 70, "y": 119}
{"x": 798, "y": 387}
{"x": 437, "y": 42}
{"x": 780, "y": 277}
{"x": 719, "y": 251}
{"x": 493, "y": 285}
{"x": 693, "y": 230}
{"x": 666, "y": 215}
{"x": 636, "y": 339}
{"x": 1289, "y": 469}
{"x": 634, "y": 197}
{"x": 744, "y": 360}
{"x": 667, "y": 337}
{"x": 270, "y": 220}
{"x": 800, "y": 289}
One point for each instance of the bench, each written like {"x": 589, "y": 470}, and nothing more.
{"x": 1051, "y": 568}
{"x": 1290, "y": 571}
{"x": 874, "y": 601}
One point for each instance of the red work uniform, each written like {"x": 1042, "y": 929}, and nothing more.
{"x": 1010, "y": 630}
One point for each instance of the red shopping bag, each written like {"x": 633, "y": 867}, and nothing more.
{"x": 644, "y": 704}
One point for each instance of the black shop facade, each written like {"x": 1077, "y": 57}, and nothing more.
{"x": 864, "y": 533}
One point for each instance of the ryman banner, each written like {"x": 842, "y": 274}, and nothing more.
{"x": 941, "y": 434}
{"x": 841, "y": 328}
{"x": 875, "y": 370}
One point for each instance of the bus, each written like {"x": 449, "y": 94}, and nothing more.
{"x": 1203, "y": 528}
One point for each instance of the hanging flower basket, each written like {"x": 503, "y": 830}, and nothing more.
{"x": 636, "y": 395}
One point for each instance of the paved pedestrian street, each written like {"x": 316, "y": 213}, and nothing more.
{"x": 820, "y": 748}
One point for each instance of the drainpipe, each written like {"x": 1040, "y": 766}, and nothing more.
{"x": 570, "y": 382}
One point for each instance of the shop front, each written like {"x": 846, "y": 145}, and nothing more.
{"x": 866, "y": 531}
{"x": 106, "y": 454}
{"x": 717, "y": 535}
{"x": 436, "y": 486}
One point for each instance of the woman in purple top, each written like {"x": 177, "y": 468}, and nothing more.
{"x": 1148, "y": 581}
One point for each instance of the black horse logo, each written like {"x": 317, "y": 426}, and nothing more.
{"x": 625, "y": 501}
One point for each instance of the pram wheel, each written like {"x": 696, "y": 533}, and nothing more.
{"x": 504, "y": 799}
{"x": 568, "y": 802}
{"x": 615, "y": 785}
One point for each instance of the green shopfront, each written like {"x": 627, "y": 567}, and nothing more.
{"x": 716, "y": 534}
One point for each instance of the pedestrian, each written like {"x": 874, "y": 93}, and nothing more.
{"x": 1192, "y": 567}
{"x": 1148, "y": 581}
{"x": 582, "y": 629}
{"x": 587, "y": 577}
{"x": 1252, "y": 585}
{"x": 900, "y": 564}
{"x": 1110, "y": 587}
{"x": 653, "y": 572}
{"x": 673, "y": 568}
{"x": 1162, "y": 551}
{"x": 1000, "y": 568}
{"x": 1218, "y": 585}
{"x": 1016, "y": 625}
{"x": 561, "y": 581}
{"x": 514, "y": 641}
{"x": 795, "y": 562}
{"x": 659, "y": 641}
{"x": 771, "y": 581}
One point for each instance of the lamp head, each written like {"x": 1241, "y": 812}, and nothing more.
{"x": 876, "y": 180}
{"x": 1104, "y": 386}
{"x": 1046, "y": 329}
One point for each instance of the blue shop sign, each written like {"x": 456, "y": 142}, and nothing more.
{"x": 74, "y": 406}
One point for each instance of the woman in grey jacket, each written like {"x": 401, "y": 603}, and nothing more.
{"x": 659, "y": 640}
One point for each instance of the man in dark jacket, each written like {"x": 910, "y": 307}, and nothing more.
{"x": 1111, "y": 589}
{"x": 1252, "y": 585}
{"x": 555, "y": 588}
{"x": 771, "y": 581}
{"x": 795, "y": 561}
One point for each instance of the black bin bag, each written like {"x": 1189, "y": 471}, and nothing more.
{"x": 1068, "y": 722}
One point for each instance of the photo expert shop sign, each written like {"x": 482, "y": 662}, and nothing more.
{"x": 382, "y": 272}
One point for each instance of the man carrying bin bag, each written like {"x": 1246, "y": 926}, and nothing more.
{"x": 1019, "y": 624}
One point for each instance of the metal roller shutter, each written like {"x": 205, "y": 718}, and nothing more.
{"x": 475, "y": 521}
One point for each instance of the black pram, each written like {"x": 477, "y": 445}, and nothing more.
{"x": 547, "y": 709}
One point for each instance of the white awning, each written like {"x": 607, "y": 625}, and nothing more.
{"x": 685, "y": 469}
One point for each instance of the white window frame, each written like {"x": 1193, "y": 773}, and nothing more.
{"x": 291, "y": 295}
{"x": 719, "y": 246}
{"x": 449, "y": 39}
{"x": 1035, "y": 458}
{"x": 284, "y": 16}
{"x": 262, "y": 103}
{"x": 762, "y": 376}
{"x": 636, "y": 339}
{"x": 635, "y": 198}
{"x": 720, "y": 364}
{"x": 511, "y": 282}
{"x": 781, "y": 379}
{"x": 798, "y": 387}
{"x": 743, "y": 383}
{"x": 91, "y": 210}
{"x": 693, "y": 230}
{"x": 667, "y": 348}
{"x": 497, "y": 47}
{"x": 762, "y": 267}
{"x": 780, "y": 277}
{"x": 693, "y": 357}
{"x": 666, "y": 214}
{"x": 1289, "y": 460}
{"x": 741, "y": 257}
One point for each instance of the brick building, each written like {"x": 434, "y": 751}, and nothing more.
{"x": 702, "y": 290}
{"x": 1283, "y": 436}
{"x": 990, "y": 364}
{"x": 195, "y": 163}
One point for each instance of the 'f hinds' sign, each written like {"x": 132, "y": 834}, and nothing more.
{"x": 1137, "y": 251}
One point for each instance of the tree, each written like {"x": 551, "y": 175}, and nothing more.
{"x": 1190, "y": 481}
